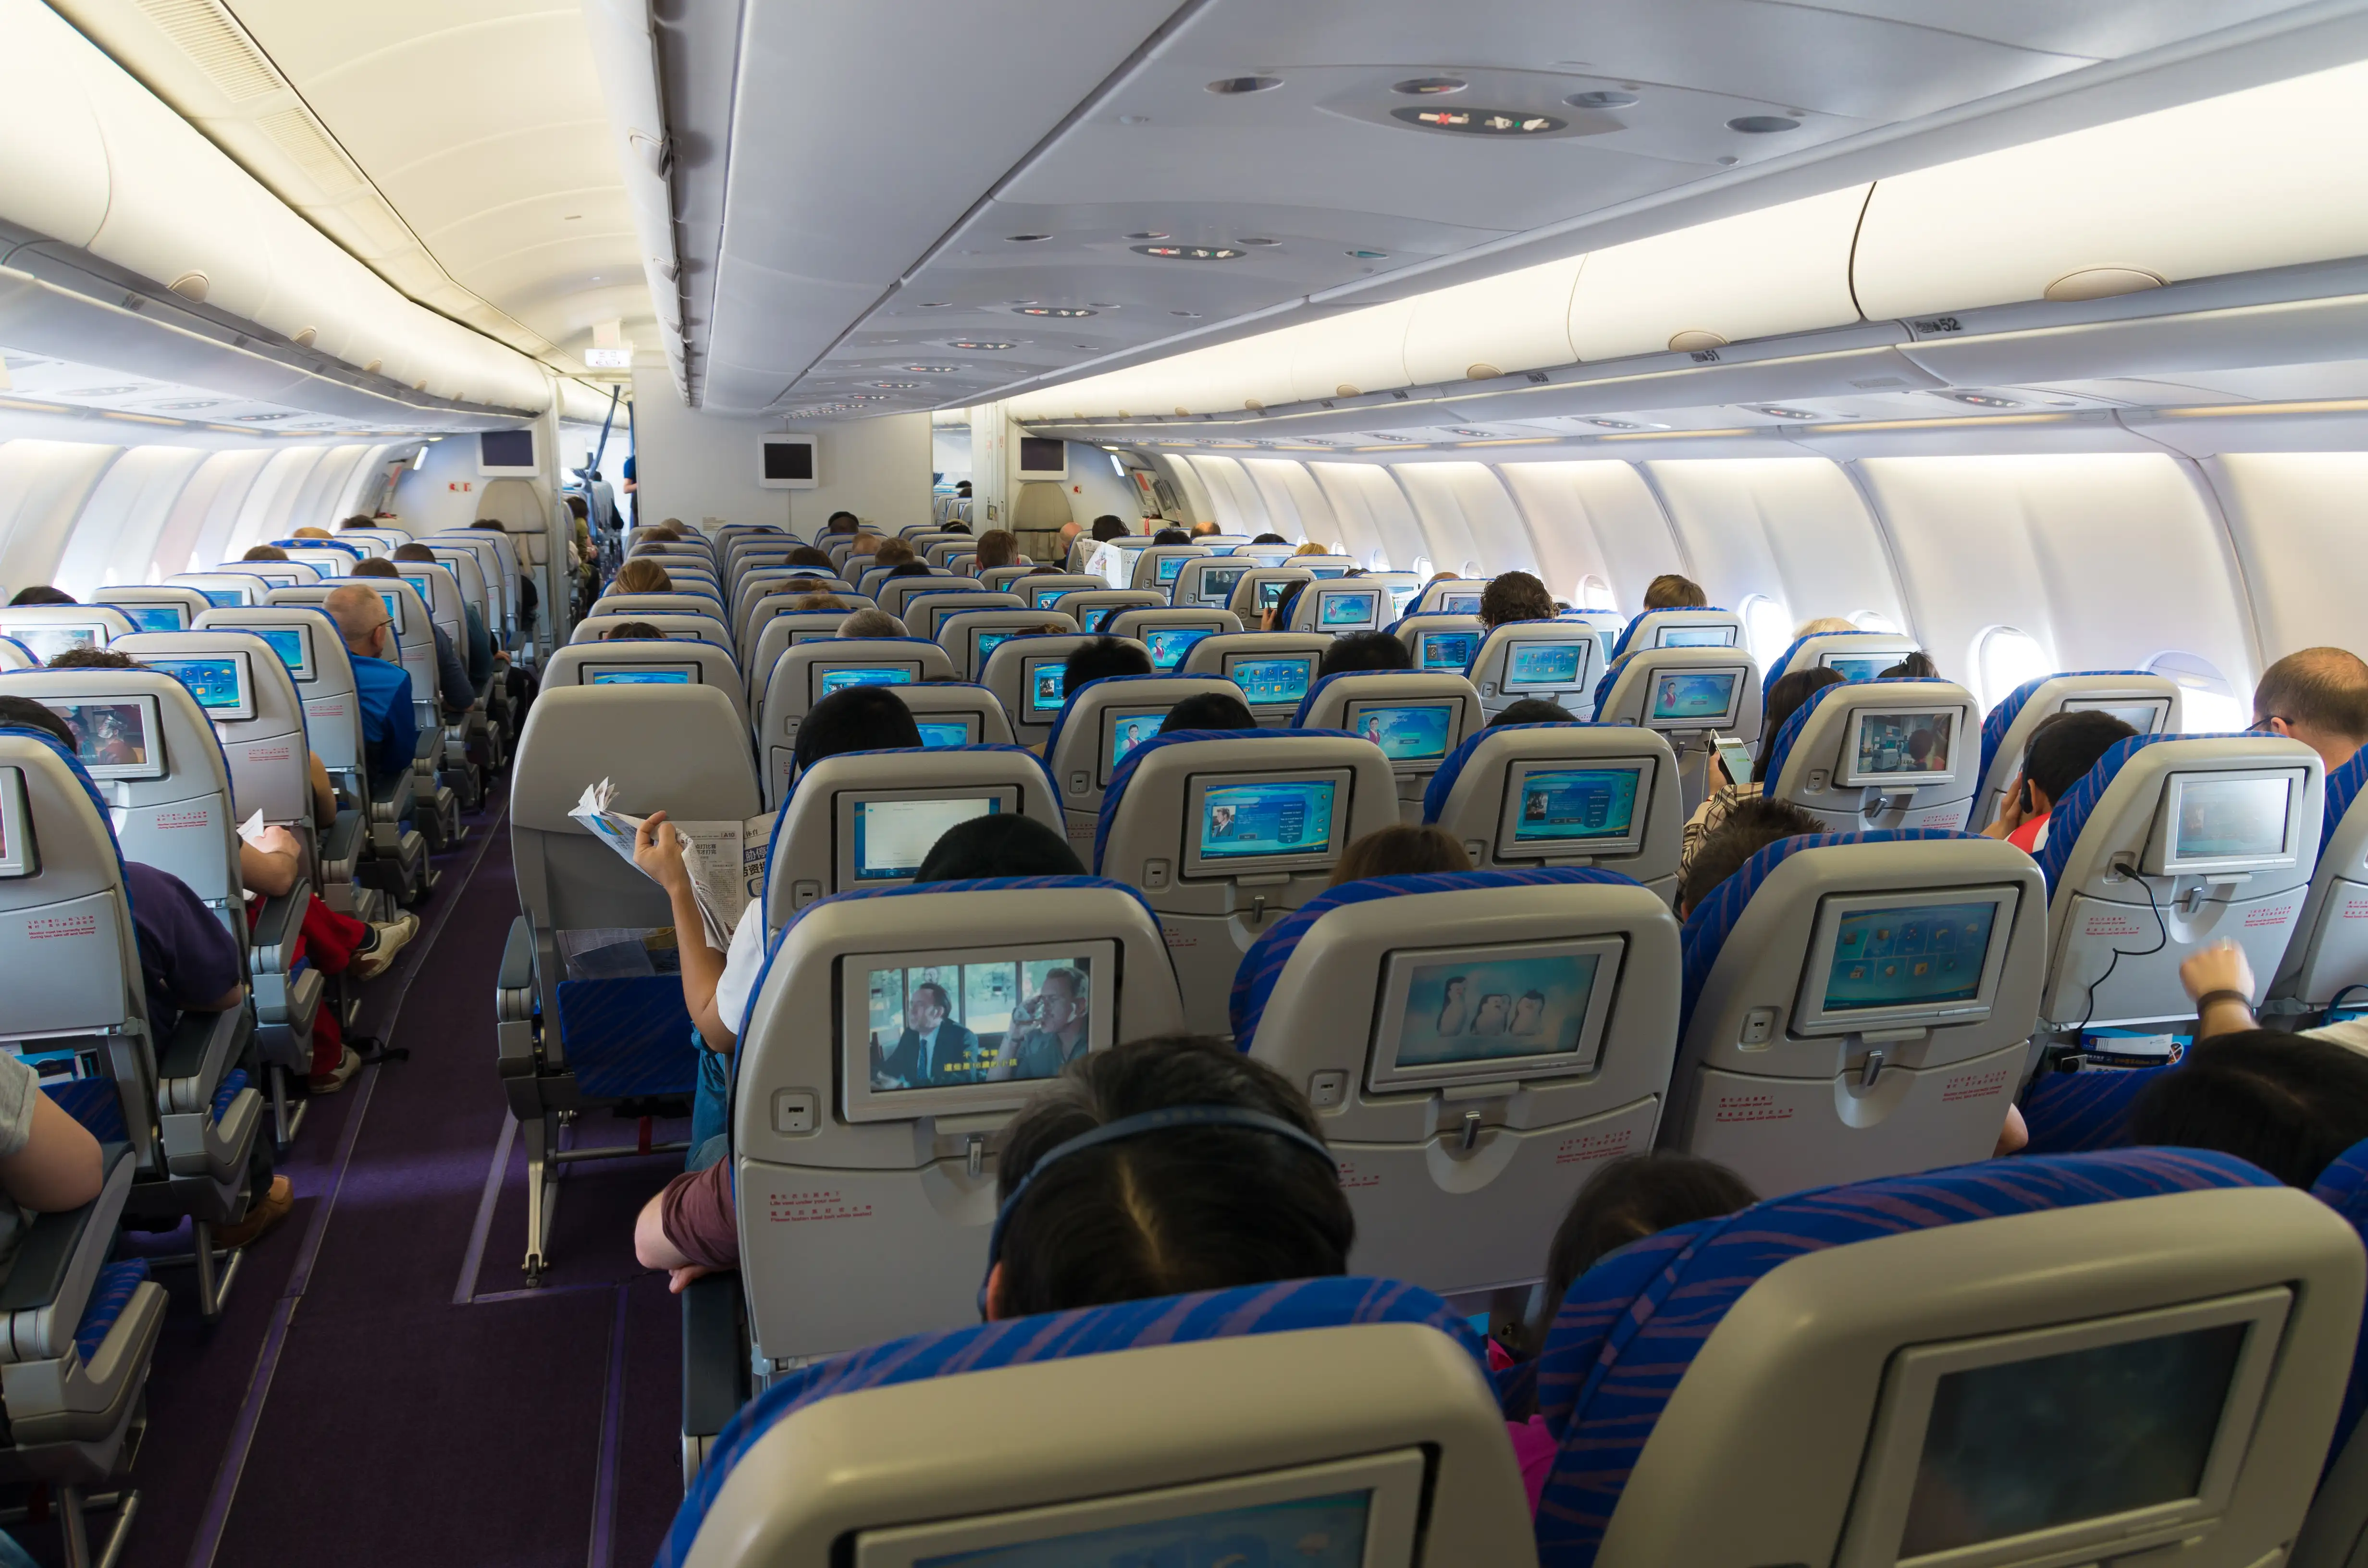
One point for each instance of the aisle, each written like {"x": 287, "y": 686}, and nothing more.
{"x": 380, "y": 1390}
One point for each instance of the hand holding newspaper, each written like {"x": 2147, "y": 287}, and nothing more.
{"x": 725, "y": 859}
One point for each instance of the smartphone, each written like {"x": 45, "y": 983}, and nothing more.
{"x": 1738, "y": 758}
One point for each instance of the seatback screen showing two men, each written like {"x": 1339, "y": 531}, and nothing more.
{"x": 935, "y": 1032}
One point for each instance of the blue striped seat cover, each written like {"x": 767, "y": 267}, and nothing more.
{"x": 628, "y": 1036}
{"x": 1262, "y": 965}
{"x": 1798, "y": 720}
{"x": 2343, "y": 788}
{"x": 1277, "y": 1308}
{"x": 109, "y": 1294}
{"x": 1116, "y": 792}
{"x": 1631, "y": 1324}
{"x": 233, "y": 1084}
{"x": 1442, "y": 783}
{"x": 2003, "y": 717}
{"x": 1707, "y": 928}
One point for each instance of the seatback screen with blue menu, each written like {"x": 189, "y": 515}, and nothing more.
{"x": 154, "y": 618}
{"x": 1899, "y": 958}
{"x": 935, "y": 733}
{"x": 1706, "y": 696}
{"x": 1046, "y": 598}
{"x": 1170, "y": 644}
{"x": 988, "y": 642}
{"x": 1448, "y": 650}
{"x": 1248, "y": 822}
{"x": 1170, "y": 566}
{"x": 1543, "y": 664}
{"x": 1697, "y": 637}
{"x": 1347, "y": 609}
{"x": 1409, "y": 732}
{"x": 1459, "y": 604}
{"x": 1576, "y": 805}
{"x": 289, "y": 642}
{"x": 223, "y": 598}
{"x": 827, "y": 680}
{"x": 1268, "y": 683}
{"x": 637, "y": 676}
{"x": 1854, "y": 667}
{"x": 214, "y": 682}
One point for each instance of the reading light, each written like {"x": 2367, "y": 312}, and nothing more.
{"x": 1479, "y": 121}
{"x": 1190, "y": 252}
{"x": 1064, "y": 312}
{"x": 1230, "y": 86}
{"x": 1429, "y": 87}
{"x": 1601, "y": 98}
{"x": 1763, "y": 124}
{"x": 969, "y": 345}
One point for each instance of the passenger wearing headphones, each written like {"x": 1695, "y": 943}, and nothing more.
{"x": 2061, "y": 750}
{"x": 1784, "y": 699}
{"x": 1358, "y": 651}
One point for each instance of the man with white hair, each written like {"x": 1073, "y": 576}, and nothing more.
{"x": 381, "y": 685}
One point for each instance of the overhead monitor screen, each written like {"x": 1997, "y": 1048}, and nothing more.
{"x": 830, "y": 678}
{"x": 218, "y": 682}
{"x": 1346, "y": 609}
{"x": 2039, "y": 1444}
{"x": 506, "y": 449}
{"x": 1270, "y": 683}
{"x": 115, "y": 737}
{"x": 1169, "y": 644}
{"x": 154, "y": 618}
{"x": 1532, "y": 664}
{"x": 1580, "y": 808}
{"x": 1909, "y": 957}
{"x": 1269, "y": 593}
{"x": 1459, "y": 604}
{"x": 1218, "y": 582}
{"x": 1047, "y": 682}
{"x": 927, "y": 1033}
{"x": 1282, "y": 817}
{"x": 46, "y": 643}
{"x": 1171, "y": 564}
{"x": 892, "y": 838}
{"x": 937, "y": 732}
{"x": 1447, "y": 650}
{"x": 1860, "y": 666}
{"x": 2222, "y": 819}
{"x": 1129, "y": 729}
{"x": 1900, "y": 748}
{"x": 1697, "y": 637}
{"x": 1407, "y": 731}
{"x": 1683, "y": 697}
{"x": 640, "y": 674}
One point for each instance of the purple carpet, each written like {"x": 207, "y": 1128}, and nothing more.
{"x": 371, "y": 1398}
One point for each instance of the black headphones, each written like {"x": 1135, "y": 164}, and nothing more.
{"x": 1134, "y": 1127}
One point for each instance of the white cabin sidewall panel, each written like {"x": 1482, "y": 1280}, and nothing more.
{"x": 2300, "y": 523}
{"x": 1096, "y": 488}
{"x": 264, "y": 516}
{"x": 1370, "y": 506}
{"x": 1289, "y": 491}
{"x": 1791, "y": 529}
{"x": 113, "y": 539}
{"x": 1467, "y": 518}
{"x": 1594, "y": 517}
{"x": 1191, "y": 492}
{"x": 43, "y": 485}
{"x": 217, "y": 489}
{"x": 314, "y": 503}
{"x": 1239, "y": 508}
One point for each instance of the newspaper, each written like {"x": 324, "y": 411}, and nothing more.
{"x": 726, "y": 859}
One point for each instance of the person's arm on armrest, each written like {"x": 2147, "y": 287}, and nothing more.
{"x": 656, "y": 853}
{"x": 49, "y": 1162}
{"x": 271, "y": 866}
{"x": 324, "y": 794}
{"x": 2220, "y": 982}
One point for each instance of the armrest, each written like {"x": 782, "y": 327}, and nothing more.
{"x": 714, "y": 1362}
{"x": 430, "y": 749}
{"x": 518, "y": 957}
{"x": 190, "y": 1064}
{"x": 343, "y": 843}
{"x": 50, "y": 1244}
{"x": 280, "y": 922}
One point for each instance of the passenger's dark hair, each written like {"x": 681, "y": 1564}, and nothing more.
{"x": 1401, "y": 849}
{"x": 414, "y": 552}
{"x": 1285, "y": 601}
{"x": 1004, "y": 845}
{"x": 626, "y": 630}
{"x": 956, "y": 526}
{"x": 2288, "y": 1103}
{"x": 263, "y": 552}
{"x": 1109, "y": 526}
{"x": 1102, "y": 658}
{"x": 1181, "y": 1210}
{"x": 2326, "y": 688}
{"x": 41, "y": 593}
{"x": 909, "y": 568}
{"x": 807, "y": 555}
{"x": 92, "y": 659}
{"x": 1364, "y": 651}
{"x": 1670, "y": 591}
{"x": 856, "y": 718}
{"x": 1514, "y": 596}
{"x": 1784, "y": 697}
{"x": 1172, "y": 536}
{"x": 1269, "y": 539}
{"x": 26, "y": 712}
{"x": 1533, "y": 710}
{"x": 997, "y": 547}
{"x": 1918, "y": 665}
{"x": 376, "y": 566}
{"x": 364, "y": 520}
{"x": 1625, "y": 1200}
{"x": 893, "y": 553}
{"x": 1046, "y": 571}
{"x": 2065, "y": 745}
{"x": 852, "y": 524}
{"x": 1752, "y": 826}
{"x": 1209, "y": 710}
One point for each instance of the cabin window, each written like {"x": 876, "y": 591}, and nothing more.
{"x": 1421, "y": 567}
{"x": 2208, "y": 703}
{"x": 2003, "y": 659}
{"x": 1768, "y": 626}
{"x": 1337, "y": 548}
{"x": 1875, "y": 620}
{"x": 1472, "y": 568}
{"x": 1594, "y": 593}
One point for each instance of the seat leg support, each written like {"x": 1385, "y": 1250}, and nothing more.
{"x": 541, "y": 1170}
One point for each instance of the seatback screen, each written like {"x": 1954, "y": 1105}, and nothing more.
{"x": 1046, "y": 598}
{"x": 2036, "y": 1445}
{"x": 1576, "y": 805}
{"x": 1171, "y": 564}
{"x": 2222, "y": 818}
{"x": 1543, "y": 664}
{"x": 1270, "y": 683}
{"x": 1269, "y": 593}
{"x": 1281, "y": 817}
{"x": 46, "y": 643}
{"x": 154, "y": 618}
{"x": 640, "y": 674}
{"x": 935, "y": 733}
{"x": 1708, "y": 697}
{"x": 892, "y": 838}
{"x": 1218, "y": 582}
{"x": 1899, "y": 747}
{"x": 1459, "y": 604}
{"x": 988, "y": 642}
{"x": 1091, "y": 620}
{"x": 1130, "y": 729}
{"x": 1489, "y": 1008}
{"x": 224, "y": 598}
{"x": 1347, "y": 609}
{"x": 115, "y": 737}
{"x": 1901, "y": 958}
{"x": 1169, "y": 644}
{"x": 1697, "y": 637}
{"x": 1448, "y": 650}
{"x": 940, "y": 1025}
{"x": 216, "y": 681}
{"x": 828, "y": 679}
{"x": 1047, "y": 681}
{"x": 1408, "y": 732}
{"x": 294, "y": 648}
{"x": 1856, "y": 666}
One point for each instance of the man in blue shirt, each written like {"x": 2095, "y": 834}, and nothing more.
{"x": 390, "y": 734}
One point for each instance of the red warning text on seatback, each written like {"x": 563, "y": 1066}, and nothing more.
{"x": 2109, "y": 925}
{"x": 2258, "y": 919}
{"x": 1974, "y": 1086}
{"x": 50, "y": 926}
{"x": 1750, "y": 1108}
{"x": 1593, "y": 1146}
{"x": 798, "y": 1207}
{"x": 1351, "y": 1177}
{"x": 165, "y": 821}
